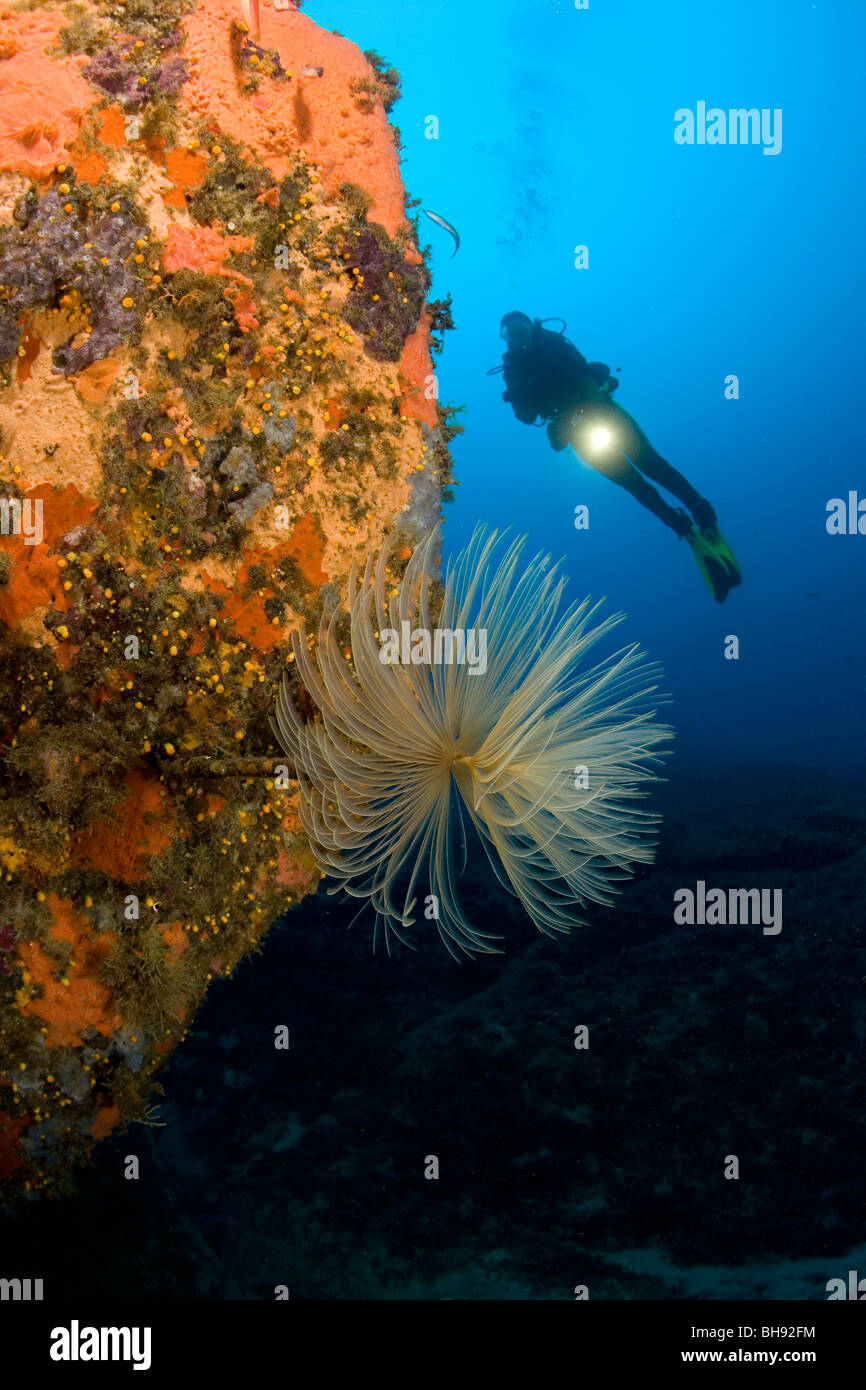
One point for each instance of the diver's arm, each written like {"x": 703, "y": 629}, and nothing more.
{"x": 521, "y": 391}
{"x": 522, "y": 404}
{"x": 525, "y": 413}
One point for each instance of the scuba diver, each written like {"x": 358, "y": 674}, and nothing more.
{"x": 546, "y": 377}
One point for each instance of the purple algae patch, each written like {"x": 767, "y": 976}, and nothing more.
{"x": 387, "y": 296}
{"x": 113, "y": 73}
{"x": 49, "y": 252}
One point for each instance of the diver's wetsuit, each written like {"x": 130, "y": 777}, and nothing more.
{"x": 550, "y": 379}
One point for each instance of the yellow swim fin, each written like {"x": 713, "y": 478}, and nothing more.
{"x": 715, "y": 560}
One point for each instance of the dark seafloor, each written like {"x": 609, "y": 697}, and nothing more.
{"x": 558, "y": 1167}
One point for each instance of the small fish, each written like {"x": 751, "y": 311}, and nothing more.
{"x": 310, "y": 71}
{"x": 440, "y": 221}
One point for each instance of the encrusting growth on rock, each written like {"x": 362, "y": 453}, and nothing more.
{"x": 214, "y": 398}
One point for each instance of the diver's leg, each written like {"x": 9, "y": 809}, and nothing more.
{"x": 636, "y": 446}
{"x": 620, "y": 471}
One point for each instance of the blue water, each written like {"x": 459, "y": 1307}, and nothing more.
{"x": 556, "y": 130}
